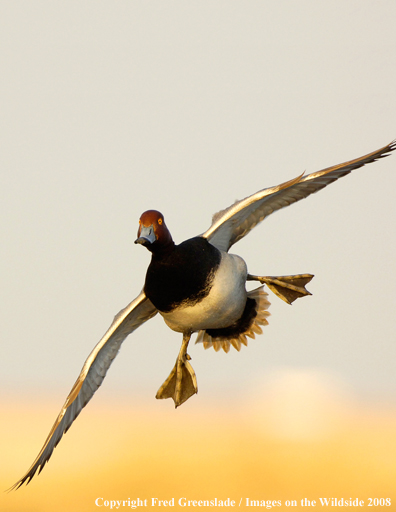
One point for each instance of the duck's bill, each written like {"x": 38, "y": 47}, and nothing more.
{"x": 146, "y": 236}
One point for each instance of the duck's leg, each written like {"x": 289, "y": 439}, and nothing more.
{"x": 182, "y": 382}
{"x": 287, "y": 288}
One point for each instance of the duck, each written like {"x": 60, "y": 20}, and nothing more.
{"x": 198, "y": 286}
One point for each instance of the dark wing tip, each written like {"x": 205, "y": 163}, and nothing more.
{"x": 387, "y": 149}
{"x": 28, "y": 477}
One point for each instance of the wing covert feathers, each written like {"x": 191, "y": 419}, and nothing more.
{"x": 233, "y": 223}
{"x": 91, "y": 377}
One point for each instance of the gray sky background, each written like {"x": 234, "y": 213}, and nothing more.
{"x": 112, "y": 108}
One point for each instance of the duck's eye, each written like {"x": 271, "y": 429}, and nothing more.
{"x": 160, "y": 221}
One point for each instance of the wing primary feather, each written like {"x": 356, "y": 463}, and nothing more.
{"x": 91, "y": 377}
{"x": 233, "y": 223}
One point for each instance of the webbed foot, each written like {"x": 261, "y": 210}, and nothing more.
{"x": 287, "y": 288}
{"x": 182, "y": 382}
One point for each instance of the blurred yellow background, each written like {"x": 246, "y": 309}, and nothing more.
{"x": 299, "y": 436}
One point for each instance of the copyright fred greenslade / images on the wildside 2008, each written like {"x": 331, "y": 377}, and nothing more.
{"x": 242, "y": 502}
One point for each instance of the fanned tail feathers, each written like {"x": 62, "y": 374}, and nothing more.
{"x": 237, "y": 340}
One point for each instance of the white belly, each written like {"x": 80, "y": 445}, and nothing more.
{"x": 221, "y": 307}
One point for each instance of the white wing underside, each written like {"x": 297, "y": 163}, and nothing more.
{"x": 92, "y": 374}
{"x": 233, "y": 223}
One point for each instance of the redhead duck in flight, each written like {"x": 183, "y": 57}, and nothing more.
{"x": 197, "y": 286}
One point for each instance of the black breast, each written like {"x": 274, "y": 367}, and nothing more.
{"x": 184, "y": 273}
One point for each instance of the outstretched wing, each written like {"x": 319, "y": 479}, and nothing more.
{"x": 92, "y": 374}
{"x": 233, "y": 223}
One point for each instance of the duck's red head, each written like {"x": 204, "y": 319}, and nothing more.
{"x": 152, "y": 232}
